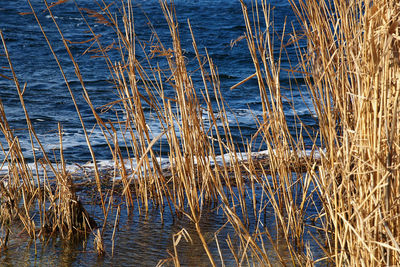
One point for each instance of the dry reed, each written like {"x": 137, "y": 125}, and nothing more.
{"x": 353, "y": 76}
{"x": 351, "y": 68}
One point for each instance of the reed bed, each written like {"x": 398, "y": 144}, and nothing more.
{"x": 345, "y": 201}
{"x": 353, "y": 62}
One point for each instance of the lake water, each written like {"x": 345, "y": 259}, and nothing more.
{"x": 215, "y": 25}
{"x": 144, "y": 240}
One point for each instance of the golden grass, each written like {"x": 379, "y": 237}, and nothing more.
{"x": 351, "y": 68}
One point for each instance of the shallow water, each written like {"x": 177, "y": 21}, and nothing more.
{"x": 146, "y": 240}
{"x": 142, "y": 240}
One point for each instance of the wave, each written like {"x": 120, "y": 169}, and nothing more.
{"x": 107, "y": 166}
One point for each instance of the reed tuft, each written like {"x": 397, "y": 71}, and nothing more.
{"x": 343, "y": 196}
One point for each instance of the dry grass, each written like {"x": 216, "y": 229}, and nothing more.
{"x": 24, "y": 192}
{"x": 351, "y": 67}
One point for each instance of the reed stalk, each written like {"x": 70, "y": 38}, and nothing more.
{"x": 352, "y": 63}
{"x": 348, "y": 54}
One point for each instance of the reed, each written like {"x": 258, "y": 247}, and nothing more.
{"x": 194, "y": 142}
{"x": 193, "y": 182}
{"x": 352, "y": 63}
{"x": 351, "y": 68}
{"x": 23, "y": 192}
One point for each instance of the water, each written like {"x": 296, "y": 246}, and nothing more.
{"x": 147, "y": 239}
{"x": 215, "y": 25}
{"x": 140, "y": 241}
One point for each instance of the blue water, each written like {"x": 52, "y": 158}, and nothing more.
{"x": 215, "y": 24}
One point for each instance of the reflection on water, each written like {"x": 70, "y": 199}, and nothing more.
{"x": 140, "y": 241}
{"x": 145, "y": 240}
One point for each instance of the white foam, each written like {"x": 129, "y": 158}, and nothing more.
{"x": 131, "y": 165}
{"x": 49, "y": 17}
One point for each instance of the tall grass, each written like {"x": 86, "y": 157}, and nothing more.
{"x": 23, "y": 192}
{"x": 351, "y": 68}
{"x": 353, "y": 65}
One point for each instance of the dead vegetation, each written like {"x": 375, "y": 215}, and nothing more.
{"x": 351, "y": 68}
